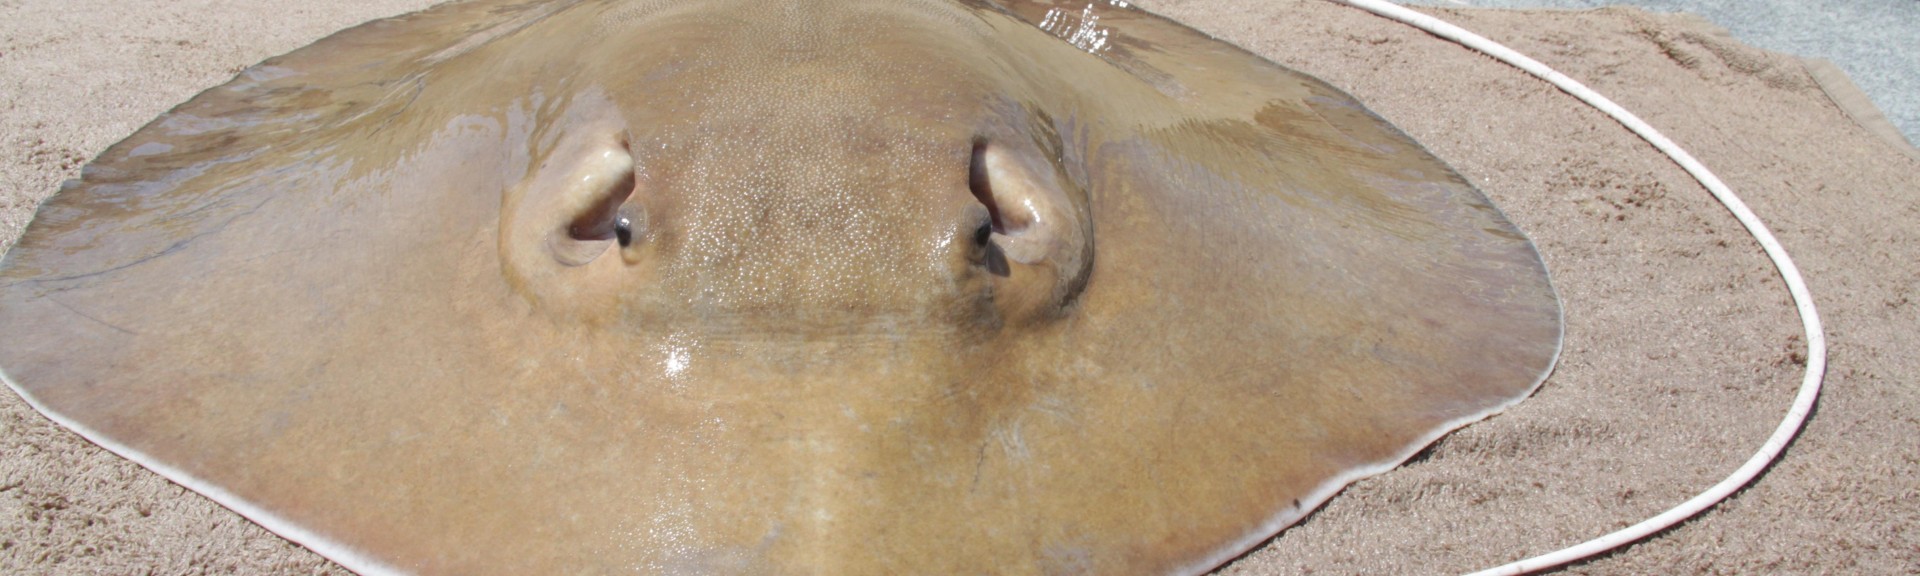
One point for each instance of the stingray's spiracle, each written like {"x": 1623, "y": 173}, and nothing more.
{"x": 1797, "y": 286}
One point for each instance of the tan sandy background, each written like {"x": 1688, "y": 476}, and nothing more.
{"x": 1682, "y": 350}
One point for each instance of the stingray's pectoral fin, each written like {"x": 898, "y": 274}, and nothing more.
{"x": 1037, "y": 242}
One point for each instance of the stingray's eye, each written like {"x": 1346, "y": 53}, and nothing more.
{"x": 576, "y": 206}
{"x": 623, "y": 231}
{"x": 1031, "y": 236}
{"x": 591, "y": 192}
{"x": 984, "y": 253}
{"x": 596, "y": 190}
{"x": 980, "y": 183}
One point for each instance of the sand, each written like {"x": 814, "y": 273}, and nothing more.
{"x": 1682, "y": 349}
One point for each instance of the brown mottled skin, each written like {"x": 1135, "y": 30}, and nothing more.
{"x": 771, "y": 287}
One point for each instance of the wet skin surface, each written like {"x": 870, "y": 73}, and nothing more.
{"x": 772, "y": 287}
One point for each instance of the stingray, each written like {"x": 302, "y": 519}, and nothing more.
{"x": 772, "y": 287}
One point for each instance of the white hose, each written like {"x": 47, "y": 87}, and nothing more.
{"x": 1802, "y": 299}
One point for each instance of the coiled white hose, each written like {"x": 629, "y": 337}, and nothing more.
{"x": 1802, "y": 299}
